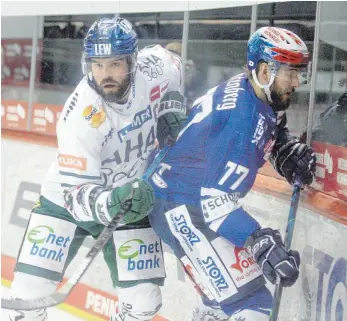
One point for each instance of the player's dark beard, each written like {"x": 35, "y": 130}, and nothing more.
{"x": 116, "y": 96}
{"x": 277, "y": 103}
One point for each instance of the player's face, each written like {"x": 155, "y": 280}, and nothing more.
{"x": 111, "y": 77}
{"x": 286, "y": 80}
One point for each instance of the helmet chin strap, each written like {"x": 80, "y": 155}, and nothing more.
{"x": 265, "y": 87}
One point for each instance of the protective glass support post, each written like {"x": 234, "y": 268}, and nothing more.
{"x": 184, "y": 51}
{"x": 314, "y": 72}
{"x": 33, "y": 71}
{"x": 333, "y": 63}
{"x": 254, "y": 18}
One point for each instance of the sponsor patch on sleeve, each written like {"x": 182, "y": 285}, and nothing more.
{"x": 70, "y": 161}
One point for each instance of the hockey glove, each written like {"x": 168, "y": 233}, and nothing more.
{"x": 141, "y": 196}
{"x": 268, "y": 250}
{"x": 170, "y": 124}
{"x": 294, "y": 159}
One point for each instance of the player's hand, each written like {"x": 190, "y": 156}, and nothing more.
{"x": 170, "y": 124}
{"x": 268, "y": 250}
{"x": 141, "y": 196}
{"x": 294, "y": 159}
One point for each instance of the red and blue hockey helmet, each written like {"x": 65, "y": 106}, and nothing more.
{"x": 278, "y": 47}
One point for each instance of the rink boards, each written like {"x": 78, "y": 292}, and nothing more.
{"x": 320, "y": 294}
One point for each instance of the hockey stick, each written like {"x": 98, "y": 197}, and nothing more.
{"x": 156, "y": 161}
{"x": 287, "y": 243}
{"x": 61, "y": 295}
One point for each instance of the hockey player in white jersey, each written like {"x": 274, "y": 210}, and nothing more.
{"x": 109, "y": 126}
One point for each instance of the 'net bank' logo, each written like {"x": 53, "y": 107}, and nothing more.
{"x": 43, "y": 239}
{"x": 140, "y": 256}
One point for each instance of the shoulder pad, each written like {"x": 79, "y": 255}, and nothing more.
{"x": 150, "y": 49}
{"x": 157, "y": 64}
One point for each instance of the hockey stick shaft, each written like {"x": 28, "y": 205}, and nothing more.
{"x": 61, "y": 295}
{"x": 155, "y": 163}
{"x": 287, "y": 243}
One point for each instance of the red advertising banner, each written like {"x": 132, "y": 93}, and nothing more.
{"x": 331, "y": 171}
{"x": 16, "y": 60}
{"x": 14, "y": 115}
{"x": 45, "y": 118}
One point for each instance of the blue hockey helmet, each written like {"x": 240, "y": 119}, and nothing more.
{"x": 115, "y": 34}
{"x": 277, "y": 47}
{"x": 110, "y": 38}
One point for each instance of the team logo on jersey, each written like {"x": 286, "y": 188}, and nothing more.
{"x": 94, "y": 116}
{"x": 139, "y": 119}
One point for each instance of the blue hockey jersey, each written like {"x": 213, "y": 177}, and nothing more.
{"x": 228, "y": 137}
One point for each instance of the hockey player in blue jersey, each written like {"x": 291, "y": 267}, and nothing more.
{"x": 232, "y": 130}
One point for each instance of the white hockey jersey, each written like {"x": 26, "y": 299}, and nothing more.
{"x": 109, "y": 144}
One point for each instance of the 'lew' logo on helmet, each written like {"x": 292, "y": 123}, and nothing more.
{"x": 102, "y": 49}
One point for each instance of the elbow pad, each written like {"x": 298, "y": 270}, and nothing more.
{"x": 83, "y": 199}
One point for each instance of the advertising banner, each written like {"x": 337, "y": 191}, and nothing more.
{"x": 331, "y": 171}
{"x": 16, "y": 61}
